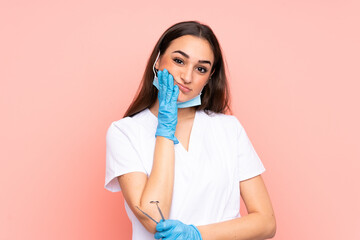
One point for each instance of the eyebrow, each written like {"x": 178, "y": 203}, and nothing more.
{"x": 187, "y": 56}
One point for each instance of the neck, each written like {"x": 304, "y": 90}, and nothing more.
{"x": 183, "y": 113}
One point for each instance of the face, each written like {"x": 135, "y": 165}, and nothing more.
{"x": 189, "y": 60}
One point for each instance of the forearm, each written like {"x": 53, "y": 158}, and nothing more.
{"x": 159, "y": 185}
{"x": 252, "y": 226}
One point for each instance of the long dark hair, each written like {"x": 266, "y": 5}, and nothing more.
{"x": 215, "y": 96}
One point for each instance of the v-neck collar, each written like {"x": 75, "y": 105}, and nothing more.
{"x": 193, "y": 134}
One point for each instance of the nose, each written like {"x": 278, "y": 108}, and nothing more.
{"x": 186, "y": 75}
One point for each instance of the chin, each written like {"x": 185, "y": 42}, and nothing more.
{"x": 182, "y": 98}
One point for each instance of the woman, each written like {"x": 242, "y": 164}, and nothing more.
{"x": 175, "y": 145}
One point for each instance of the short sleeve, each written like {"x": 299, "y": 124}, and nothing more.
{"x": 249, "y": 163}
{"x": 121, "y": 154}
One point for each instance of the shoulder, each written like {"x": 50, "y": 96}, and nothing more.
{"x": 133, "y": 121}
{"x": 123, "y": 128}
{"x": 121, "y": 124}
{"x": 134, "y": 128}
{"x": 127, "y": 126}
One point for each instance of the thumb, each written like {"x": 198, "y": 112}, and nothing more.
{"x": 163, "y": 225}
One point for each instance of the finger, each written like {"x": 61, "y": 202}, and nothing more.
{"x": 158, "y": 235}
{"x": 170, "y": 81}
{"x": 164, "y": 225}
{"x": 164, "y": 77}
{"x": 172, "y": 237}
{"x": 175, "y": 93}
{"x": 170, "y": 89}
{"x": 163, "y": 234}
{"x": 161, "y": 83}
{"x": 159, "y": 73}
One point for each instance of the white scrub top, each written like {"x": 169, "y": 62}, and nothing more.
{"x": 206, "y": 185}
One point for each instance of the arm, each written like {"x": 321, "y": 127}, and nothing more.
{"x": 139, "y": 190}
{"x": 260, "y": 222}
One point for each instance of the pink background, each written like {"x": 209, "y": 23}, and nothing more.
{"x": 70, "y": 68}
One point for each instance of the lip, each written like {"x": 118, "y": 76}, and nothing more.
{"x": 183, "y": 88}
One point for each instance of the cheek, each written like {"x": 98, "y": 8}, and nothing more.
{"x": 202, "y": 82}
{"x": 172, "y": 68}
{"x": 166, "y": 63}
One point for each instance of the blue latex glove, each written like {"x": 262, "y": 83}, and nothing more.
{"x": 167, "y": 117}
{"x": 174, "y": 229}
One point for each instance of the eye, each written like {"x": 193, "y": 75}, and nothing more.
{"x": 177, "y": 60}
{"x": 202, "y": 70}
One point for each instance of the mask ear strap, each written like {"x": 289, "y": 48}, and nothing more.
{"x": 155, "y": 63}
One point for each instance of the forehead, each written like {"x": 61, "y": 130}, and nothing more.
{"x": 195, "y": 47}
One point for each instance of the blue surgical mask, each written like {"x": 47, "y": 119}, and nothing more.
{"x": 192, "y": 102}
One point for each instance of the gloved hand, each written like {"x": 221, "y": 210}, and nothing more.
{"x": 174, "y": 229}
{"x": 167, "y": 117}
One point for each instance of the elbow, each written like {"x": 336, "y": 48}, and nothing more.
{"x": 271, "y": 232}
{"x": 270, "y": 227}
{"x": 151, "y": 230}
{"x": 149, "y": 225}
